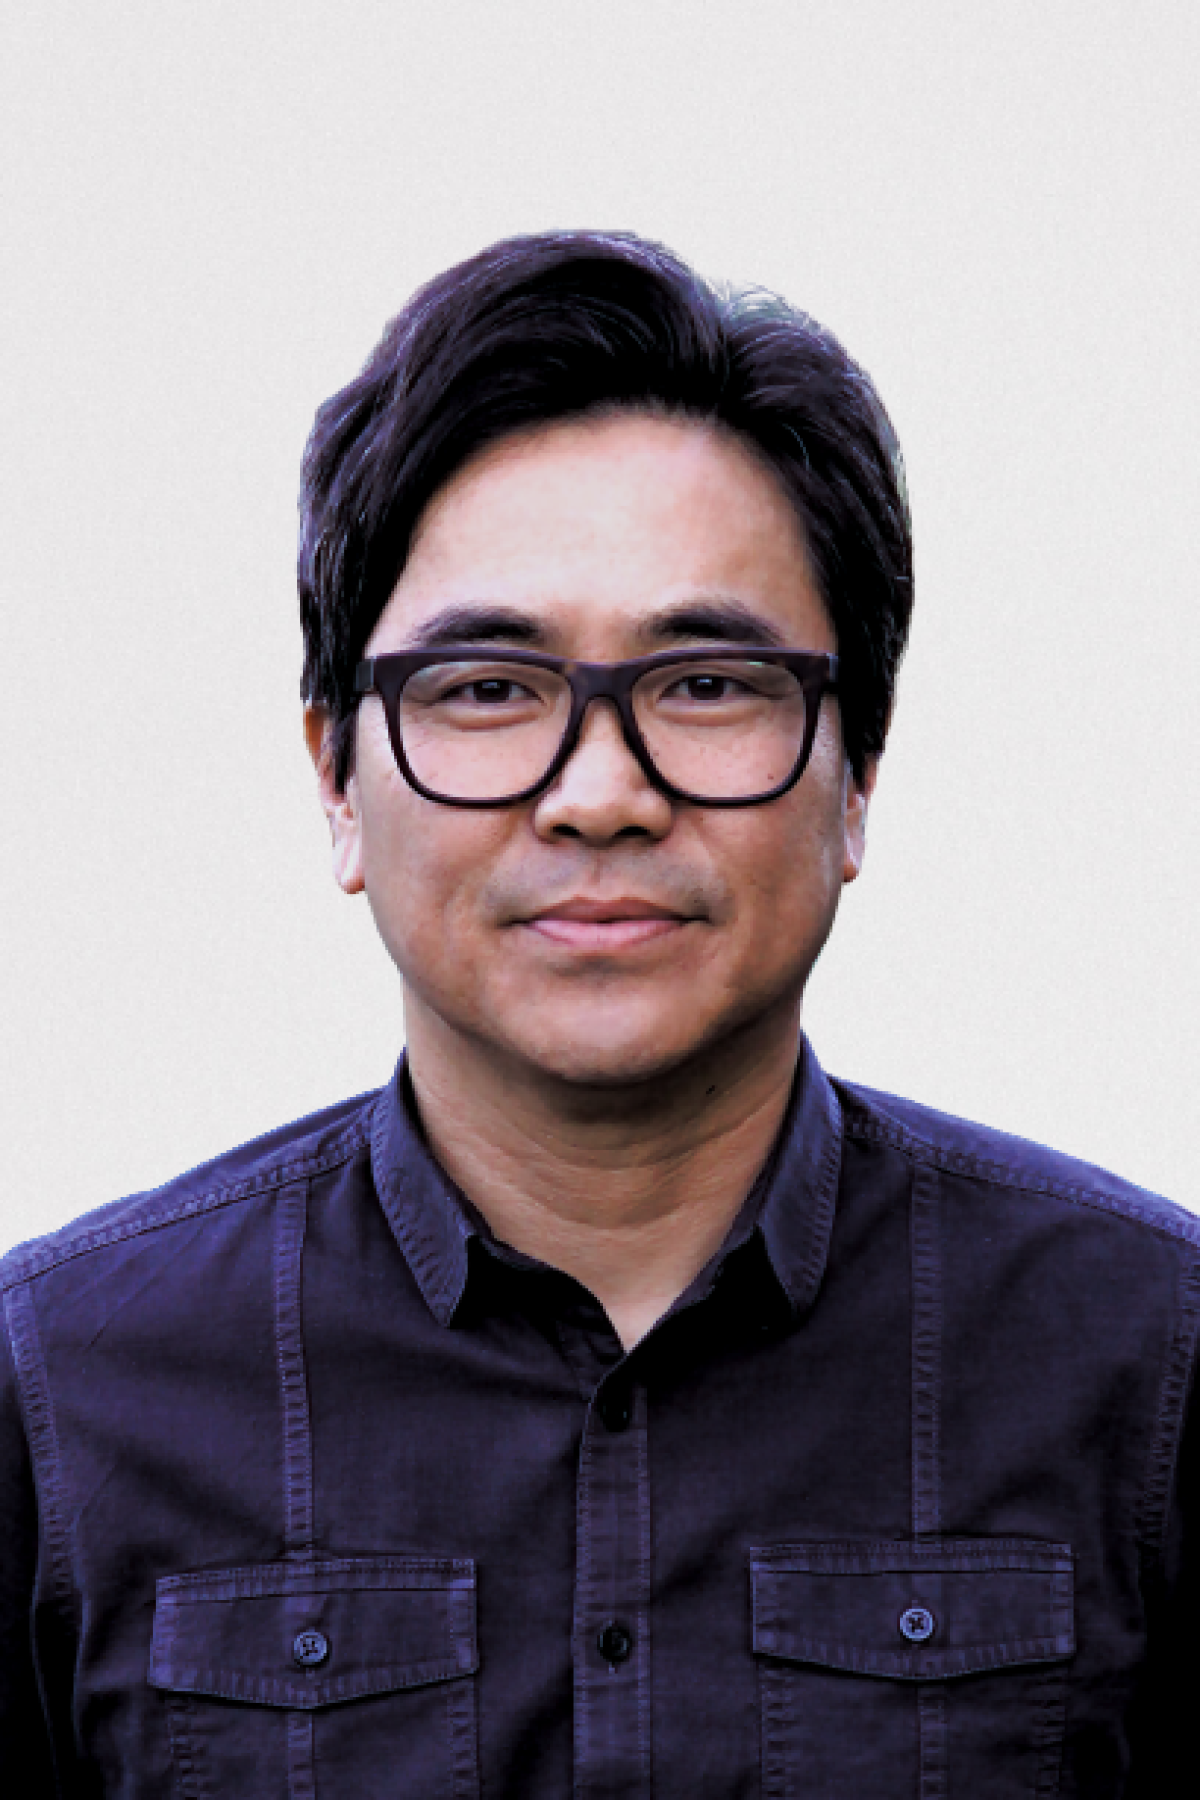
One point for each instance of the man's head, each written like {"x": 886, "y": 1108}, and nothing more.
{"x": 570, "y": 444}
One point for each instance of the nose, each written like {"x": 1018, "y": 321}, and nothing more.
{"x": 602, "y": 792}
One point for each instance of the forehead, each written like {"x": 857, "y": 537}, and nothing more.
{"x": 593, "y": 525}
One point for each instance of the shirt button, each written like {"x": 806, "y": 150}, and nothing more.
{"x": 614, "y": 1642}
{"x": 310, "y": 1649}
{"x": 616, "y": 1410}
{"x": 917, "y": 1624}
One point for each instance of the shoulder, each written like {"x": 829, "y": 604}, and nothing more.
{"x": 1000, "y": 1164}
{"x": 298, "y": 1151}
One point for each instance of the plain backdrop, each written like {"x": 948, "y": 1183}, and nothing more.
{"x": 209, "y": 214}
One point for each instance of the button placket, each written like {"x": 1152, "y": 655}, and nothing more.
{"x": 611, "y": 1664}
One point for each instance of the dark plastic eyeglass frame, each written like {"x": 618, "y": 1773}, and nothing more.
{"x": 816, "y": 672}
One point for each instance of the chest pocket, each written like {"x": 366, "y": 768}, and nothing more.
{"x": 931, "y": 1668}
{"x": 360, "y": 1667}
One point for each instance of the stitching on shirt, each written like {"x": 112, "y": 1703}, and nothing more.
{"x": 180, "y": 1716}
{"x": 943, "y": 1555}
{"x": 926, "y": 1352}
{"x": 223, "y": 1683}
{"x": 1051, "y": 1713}
{"x": 439, "y": 1291}
{"x": 301, "y": 1751}
{"x": 47, "y": 1257}
{"x": 926, "y": 1276}
{"x": 939, "y": 1665}
{"x": 580, "y": 1645}
{"x": 423, "y": 1258}
{"x": 442, "y": 1289}
{"x": 645, "y": 1585}
{"x": 295, "y": 1423}
{"x": 1151, "y": 1516}
{"x": 30, "y": 1366}
{"x": 320, "y": 1575}
{"x": 932, "y": 1759}
{"x": 959, "y": 1162}
{"x": 825, "y": 1205}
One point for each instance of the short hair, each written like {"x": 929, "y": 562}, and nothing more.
{"x": 556, "y": 325}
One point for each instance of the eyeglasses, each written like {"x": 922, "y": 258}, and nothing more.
{"x": 715, "y": 726}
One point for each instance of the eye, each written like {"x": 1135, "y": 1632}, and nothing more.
{"x": 705, "y": 688}
{"x": 491, "y": 690}
{"x": 483, "y": 693}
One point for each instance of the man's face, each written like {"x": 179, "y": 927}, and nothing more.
{"x": 599, "y": 535}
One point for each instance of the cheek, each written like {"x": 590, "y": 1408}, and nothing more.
{"x": 792, "y": 844}
{"x": 786, "y": 868}
{"x": 423, "y": 865}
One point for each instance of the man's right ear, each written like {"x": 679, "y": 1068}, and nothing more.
{"x": 341, "y": 808}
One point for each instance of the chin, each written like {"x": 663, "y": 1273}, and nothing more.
{"x": 587, "y": 1070}
{"x": 587, "y": 1058}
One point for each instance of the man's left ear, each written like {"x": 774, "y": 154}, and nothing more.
{"x": 858, "y": 798}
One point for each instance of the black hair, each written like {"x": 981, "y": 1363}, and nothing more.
{"x": 560, "y": 324}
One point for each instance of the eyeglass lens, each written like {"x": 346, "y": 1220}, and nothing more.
{"x": 484, "y": 730}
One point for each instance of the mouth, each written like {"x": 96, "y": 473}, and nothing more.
{"x": 605, "y": 925}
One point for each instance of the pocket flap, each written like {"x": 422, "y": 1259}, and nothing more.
{"x": 917, "y": 1610}
{"x": 307, "y": 1634}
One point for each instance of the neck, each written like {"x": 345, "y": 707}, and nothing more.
{"x": 631, "y": 1190}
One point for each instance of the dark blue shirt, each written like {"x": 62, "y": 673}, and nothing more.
{"x": 311, "y": 1490}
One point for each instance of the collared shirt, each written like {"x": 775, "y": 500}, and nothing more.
{"x": 311, "y": 1490}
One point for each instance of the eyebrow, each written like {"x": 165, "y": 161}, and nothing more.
{"x": 719, "y": 620}
{"x": 723, "y": 620}
{"x": 478, "y": 625}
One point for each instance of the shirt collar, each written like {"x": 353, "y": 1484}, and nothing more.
{"x": 790, "y": 1207}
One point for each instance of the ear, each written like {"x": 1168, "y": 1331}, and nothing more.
{"x": 854, "y": 813}
{"x": 341, "y": 809}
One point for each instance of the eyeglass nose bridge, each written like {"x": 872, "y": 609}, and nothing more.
{"x": 590, "y": 682}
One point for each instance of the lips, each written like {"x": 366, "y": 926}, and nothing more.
{"x": 605, "y": 924}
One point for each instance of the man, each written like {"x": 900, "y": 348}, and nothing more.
{"x": 613, "y": 1404}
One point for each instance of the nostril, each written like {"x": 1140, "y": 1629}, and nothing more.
{"x": 622, "y": 831}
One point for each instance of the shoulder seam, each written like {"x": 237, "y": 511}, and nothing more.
{"x": 958, "y": 1162}
{"x": 51, "y": 1256}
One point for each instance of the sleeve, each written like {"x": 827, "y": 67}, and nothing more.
{"x": 26, "y": 1756}
{"x": 1164, "y": 1735}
